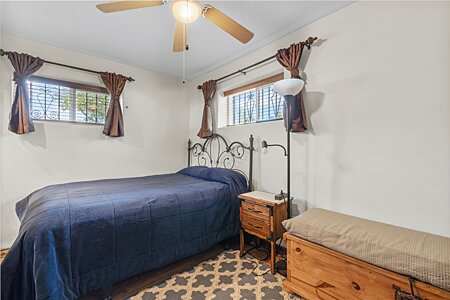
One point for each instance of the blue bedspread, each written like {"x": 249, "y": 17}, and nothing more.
{"x": 77, "y": 237}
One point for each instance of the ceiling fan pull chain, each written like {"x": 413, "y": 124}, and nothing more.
{"x": 186, "y": 35}
{"x": 184, "y": 67}
{"x": 185, "y": 30}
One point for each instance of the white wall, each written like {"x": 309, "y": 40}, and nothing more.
{"x": 377, "y": 96}
{"x": 378, "y": 99}
{"x": 155, "y": 132}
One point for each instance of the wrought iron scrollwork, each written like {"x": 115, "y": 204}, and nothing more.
{"x": 235, "y": 150}
{"x": 203, "y": 157}
{"x": 215, "y": 152}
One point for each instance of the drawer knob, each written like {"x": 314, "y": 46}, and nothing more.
{"x": 356, "y": 286}
{"x": 255, "y": 226}
{"x": 297, "y": 249}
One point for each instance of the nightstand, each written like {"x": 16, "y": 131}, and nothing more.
{"x": 261, "y": 216}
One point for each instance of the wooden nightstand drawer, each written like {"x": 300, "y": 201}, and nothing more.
{"x": 256, "y": 225}
{"x": 255, "y": 210}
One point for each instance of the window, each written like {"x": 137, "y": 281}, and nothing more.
{"x": 254, "y": 102}
{"x": 58, "y": 100}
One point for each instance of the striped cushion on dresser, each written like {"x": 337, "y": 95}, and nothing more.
{"x": 421, "y": 255}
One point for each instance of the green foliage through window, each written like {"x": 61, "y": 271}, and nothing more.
{"x": 60, "y": 103}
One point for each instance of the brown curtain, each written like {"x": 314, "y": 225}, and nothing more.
{"x": 209, "y": 90}
{"x": 24, "y": 65}
{"x": 114, "y": 83}
{"x": 289, "y": 59}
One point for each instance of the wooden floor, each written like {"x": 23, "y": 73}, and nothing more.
{"x": 132, "y": 286}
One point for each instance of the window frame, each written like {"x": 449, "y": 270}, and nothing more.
{"x": 256, "y": 85}
{"x": 75, "y": 86}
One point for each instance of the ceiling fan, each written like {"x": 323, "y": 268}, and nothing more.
{"x": 185, "y": 12}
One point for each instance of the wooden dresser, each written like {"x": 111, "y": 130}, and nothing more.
{"x": 261, "y": 216}
{"x": 318, "y": 273}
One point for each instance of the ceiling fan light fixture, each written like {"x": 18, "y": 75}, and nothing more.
{"x": 186, "y": 11}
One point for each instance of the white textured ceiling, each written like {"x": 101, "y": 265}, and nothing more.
{"x": 144, "y": 37}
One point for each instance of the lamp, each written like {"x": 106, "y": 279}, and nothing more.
{"x": 288, "y": 89}
{"x": 265, "y": 145}
{"x": 186, "y": 11}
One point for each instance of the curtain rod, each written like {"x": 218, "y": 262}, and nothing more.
{"x": 308, "y": 42}
{"x": 3, "y": 53}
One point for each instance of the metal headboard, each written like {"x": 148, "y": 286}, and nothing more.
{"x": 215, "y": 152}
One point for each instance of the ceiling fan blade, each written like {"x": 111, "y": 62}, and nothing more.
{"x": 126, "y": 5}
{"x": 180, "y": 37}
{"x": 227, "y": 24}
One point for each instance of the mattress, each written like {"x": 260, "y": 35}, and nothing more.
{"x": 80, "y": 236}
{"x": 424, "y": 256}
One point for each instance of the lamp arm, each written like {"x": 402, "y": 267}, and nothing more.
{"x": 278, "y": 145}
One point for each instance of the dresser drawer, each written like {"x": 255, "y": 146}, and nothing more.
{"x": 255, "y": 225}
{"x": 255, "y": 211}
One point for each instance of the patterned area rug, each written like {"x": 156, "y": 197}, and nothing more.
{"x": 225, "y": 277}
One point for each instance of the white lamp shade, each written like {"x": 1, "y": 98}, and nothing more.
{"x": 288, "y": 87}
{"x": 186, "y": 11}
{"x": 264, "y": 150}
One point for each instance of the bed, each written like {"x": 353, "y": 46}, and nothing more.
{"x": 336, "y": 256}
{"x": 81, "y": 236}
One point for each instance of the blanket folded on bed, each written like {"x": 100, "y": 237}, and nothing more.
{"x": 77, "y": 237}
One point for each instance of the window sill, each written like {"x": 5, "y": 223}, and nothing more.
{"x": 253, "y": 123}
{"x": 67, "y": 122}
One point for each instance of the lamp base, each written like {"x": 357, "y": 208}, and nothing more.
{"x": 281, "y": 267}
{"x": 282, "y": 195}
